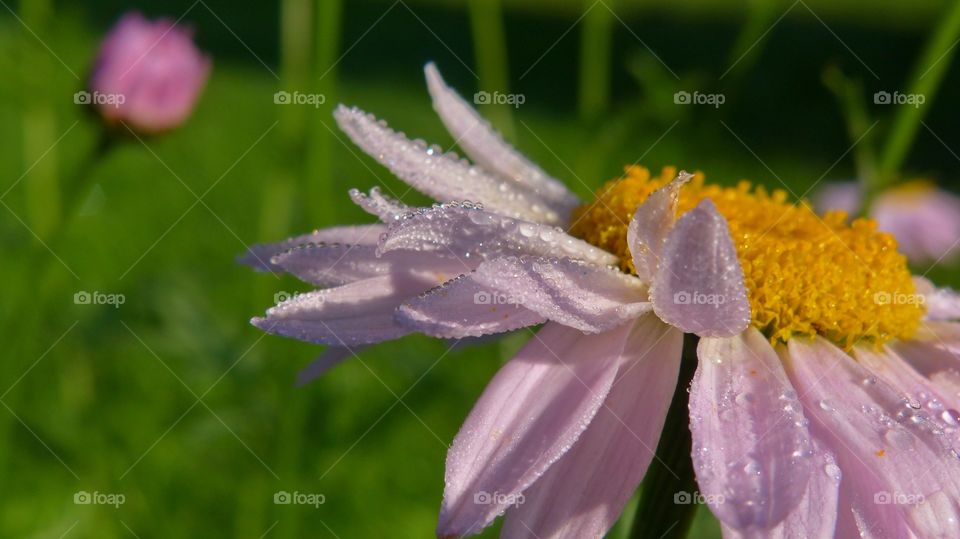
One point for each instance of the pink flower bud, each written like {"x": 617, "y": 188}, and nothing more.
{"x": 148, "y": 74}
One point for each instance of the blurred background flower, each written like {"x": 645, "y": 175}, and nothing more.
{"x": 129, "y": 367}
{"x": 148, "y": 74}
{"x": 924, "y": 219}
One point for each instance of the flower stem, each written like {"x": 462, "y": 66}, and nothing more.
{"x": 596, "y": 49}
{"x": 490, "y": 46}
{"x": 927, "y": 75}
{"x": 658, "y": 514}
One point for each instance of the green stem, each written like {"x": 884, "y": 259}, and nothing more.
{"x": 927, "y": 75}
{"x": 490, "y": 52}
{"x": 596, "y": 44}
{"x": 850, "y": 97}
{"x": 320, "y": 187}
{"x": 658, "y": 514}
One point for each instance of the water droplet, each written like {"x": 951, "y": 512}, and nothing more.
{"x": 826, "y": 405}
{"x": 743, "y": 399}
{"x": 950, "y": 417}
{"x": 833, "y": 471}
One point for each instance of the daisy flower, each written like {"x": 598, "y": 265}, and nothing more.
{"x": 826, "y": 393}
{"x": 924, "y": 219}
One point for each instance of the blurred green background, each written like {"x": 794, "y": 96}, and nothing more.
{"x": 173, "y": 400}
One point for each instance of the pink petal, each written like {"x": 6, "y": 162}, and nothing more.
{"x": 464, "y": 308}
{"x": 585, "y": 491}
{"x": 357, "y": 313}
{"x": 441, "y": 176}
{"x": 330, "y": 358}
{"x": 940, "y": 407}
{"x": 815, "y": 516}
{"x": 699, "y": 285}
{"x": 941, "y": 303}
{"x": 466, "y": 231}
{"x": 532, "y": 411}
{"x": 258, "y": 256}
{"x": 652, "y": 222}
{"x": 385, "y": 208}
{"x": 942, "y": 335}
{"x": 488, "y": 149}
{"x": 588, "y": 297}
{"x": 882, "y": 444}
{"x": 337, "y": 264}
{"x": 751, "y": 447}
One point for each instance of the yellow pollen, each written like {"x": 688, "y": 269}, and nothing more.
{"x": 805, "y": 274}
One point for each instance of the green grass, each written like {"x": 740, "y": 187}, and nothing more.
{"x": 105, "y": 399}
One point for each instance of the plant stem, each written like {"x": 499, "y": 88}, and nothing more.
{"x": 596, "y": 43}
{"x": 490, "y": 46}
{"x": 927, "y": 75}
{"x": 320, "y": 185}
{"x": 658, "y": 514}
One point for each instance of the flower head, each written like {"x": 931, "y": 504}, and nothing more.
{"x": 825, "y": 383}
{"x": 149, "y": 73}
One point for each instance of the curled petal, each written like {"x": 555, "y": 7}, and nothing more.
{"x": 488, "y": 149}
{"x": 444, "y": 177}
{"x": 258, "y": 256}
{"x": 529, "y": 415}
{"x": 464, "y": 308}
{"x": 466, "y": 231}
{"x": 699, "y": 285}
{"x": 651, "y": 224}
{"x": 583, "y": 493}
{"x": 585, "y": 296}
{"x": 751, "y": 447}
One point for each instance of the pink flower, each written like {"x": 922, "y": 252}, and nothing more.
{"x": 925, "y": 220}
{"x": 825, "y": 400}
{"x": 148, "y": 74}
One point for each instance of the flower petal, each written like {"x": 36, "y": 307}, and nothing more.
{"x": 885, "y": 449}
{"x": 651, "y": 223}
{"x": 815, "y": 516}
{"x": 751, "y": 447}
{"x": 357, "y": 313}
{"x": 488, "y": 149}
{"x": 467, "y": 231}
{"x": 942, "y": 303}
{"x": 585, "y": 296}
{"x": 258, "y": 256}
{"x": 464, "y": 308}
{"x": 585, "y": 491}
{"x": 532, "y": 411}
{"x": 328, "y": 359}
{"x": 337, "y": 264}
{"x": 385, "y": 208}
{"x": 699, "y": 285}
{"x": 442, "y": 176}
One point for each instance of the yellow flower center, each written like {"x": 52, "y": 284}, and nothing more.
{"x": 805, "y": 274}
